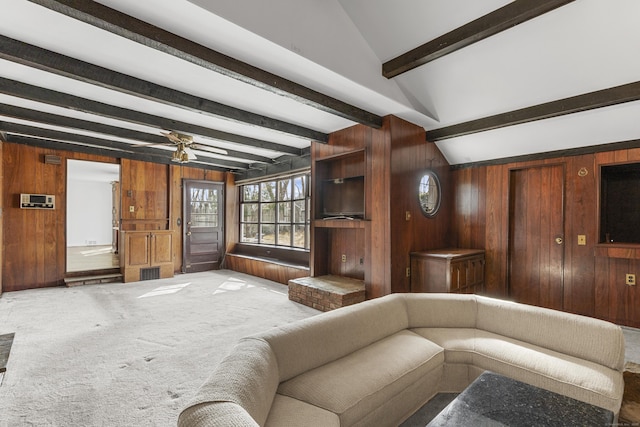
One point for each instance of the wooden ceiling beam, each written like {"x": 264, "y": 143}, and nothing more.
{"x": 70, "y": 122}
{"x": 154, "y": 37}
{"x": 60, "y": 99}
{"x": 115, "y": 148}
{"x": 501, "y": 19}
{"x": 42, "y": 59}
{"x": 602, "y": 98}
{"x": 58, "y": 145}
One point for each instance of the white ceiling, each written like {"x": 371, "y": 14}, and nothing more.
{"x": 337, "y": 47}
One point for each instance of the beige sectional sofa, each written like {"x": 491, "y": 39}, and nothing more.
{"x": 377, "y": 362}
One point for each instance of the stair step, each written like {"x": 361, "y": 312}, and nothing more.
{"x": 93, "y": 280}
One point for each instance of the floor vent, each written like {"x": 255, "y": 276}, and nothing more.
{"x": 150, "y": 273}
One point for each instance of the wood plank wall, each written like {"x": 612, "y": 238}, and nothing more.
{"x": 410, "y": 158}
{"x": 593, "y": 285}
{"x": 34, "y": 240}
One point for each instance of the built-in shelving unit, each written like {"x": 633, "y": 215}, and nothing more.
{"x": 366, "y": 218}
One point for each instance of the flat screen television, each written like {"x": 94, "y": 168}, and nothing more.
{"x": 343, "y": 197}
{"x": 620, "y": 203}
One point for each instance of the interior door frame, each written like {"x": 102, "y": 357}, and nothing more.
{"x": 509, "y": 222}
{"x": 223, "y": 216}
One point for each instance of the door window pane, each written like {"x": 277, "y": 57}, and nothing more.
{"x": 284, "y": 189}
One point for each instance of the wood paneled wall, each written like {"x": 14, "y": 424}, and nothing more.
{"x": 34, "y": 241}
{"x": 396, "y": 156}
{"x": 593, "y": 285}
{"x": 410, "y": 158}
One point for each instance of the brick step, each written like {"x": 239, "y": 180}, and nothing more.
{"x": 326, "y": 292}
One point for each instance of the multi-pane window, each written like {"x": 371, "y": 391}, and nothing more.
{"x": 276, "y": 212}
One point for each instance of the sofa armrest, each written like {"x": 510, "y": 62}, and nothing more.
{"x": 247, "y": 377}
{"x": 215, "y": 414}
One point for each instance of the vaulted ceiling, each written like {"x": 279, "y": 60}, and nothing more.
{"x": 255, "y": 82}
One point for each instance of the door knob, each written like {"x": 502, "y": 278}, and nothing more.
{"x": 188, "y": 233}
{"x": 559, "y": 240}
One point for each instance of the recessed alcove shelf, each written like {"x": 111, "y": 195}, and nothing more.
{"x": 618, "y": 250}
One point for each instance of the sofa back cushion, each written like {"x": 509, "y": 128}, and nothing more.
{"x": 432, "y": 310}
{"x": 312, "y": 342}
{"x": 580, "y": 336}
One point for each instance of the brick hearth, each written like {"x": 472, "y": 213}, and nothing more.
{"x": 326, "y": 292}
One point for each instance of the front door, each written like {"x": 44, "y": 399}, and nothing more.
{"x": 203, "y": 225}
{"x": 536, "y": 235}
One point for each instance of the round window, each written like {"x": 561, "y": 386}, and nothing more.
{"x": 429, "y": 194}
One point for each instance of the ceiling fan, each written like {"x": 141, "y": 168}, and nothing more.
{"x": 184, "y": 147}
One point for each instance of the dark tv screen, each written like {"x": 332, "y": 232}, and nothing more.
{"x": 343, "y": 197}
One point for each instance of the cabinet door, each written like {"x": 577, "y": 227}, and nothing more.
{"x": 137, "y": 249}
{"x": 459, "y": 272}
{"x": 476, "y": 268}
{"x": 161, "y": 248}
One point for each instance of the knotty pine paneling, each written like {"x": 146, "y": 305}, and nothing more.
{"x": 593, "y": 285}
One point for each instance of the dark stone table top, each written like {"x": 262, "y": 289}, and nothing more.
{"x": 495, "y": 400}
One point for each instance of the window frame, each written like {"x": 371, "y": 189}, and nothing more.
{"x": 272, "y": 201}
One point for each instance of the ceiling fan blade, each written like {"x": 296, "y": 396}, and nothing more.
{"x": 190, "y": 153}
{"x": 151, "y": 144}
{"x": 209, "y": 149}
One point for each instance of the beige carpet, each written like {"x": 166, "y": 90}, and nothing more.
{"x": 127, "y": 354}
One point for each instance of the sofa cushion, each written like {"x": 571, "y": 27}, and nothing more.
{"x": 287, "y": 411}
{"x": 458, "y": 343}
{"x": 441, "y": 310}
{"x": 556, "y": 330}
{"x": 355, "y": 385}
{"x": 564, "y": 374}
{"x": 315, "y": 341}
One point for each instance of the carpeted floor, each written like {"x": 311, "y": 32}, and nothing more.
{"x": 134, "y": 354}
{"x": 127, "y": 354}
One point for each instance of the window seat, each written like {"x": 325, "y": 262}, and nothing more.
{"x": 276, "y": 264}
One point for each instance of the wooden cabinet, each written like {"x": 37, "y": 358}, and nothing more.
{"x": 146, "y": 255}
{"x": 448, "y": 270}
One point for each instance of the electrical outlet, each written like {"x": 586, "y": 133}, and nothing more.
{"x": 407, "y": 215}
{"x": 582, "y": 239}
{"x": 631, "y": 279}
{"x": 408, "y": 272}
{"x": 132, "y": 208}
{"x": 344, "y": 258}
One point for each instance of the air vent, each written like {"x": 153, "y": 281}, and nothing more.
{"x": 150, "y": 273}
{"x": 50, "y": 159}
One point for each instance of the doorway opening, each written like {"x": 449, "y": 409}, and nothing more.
{"x": 93, "y": 216}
